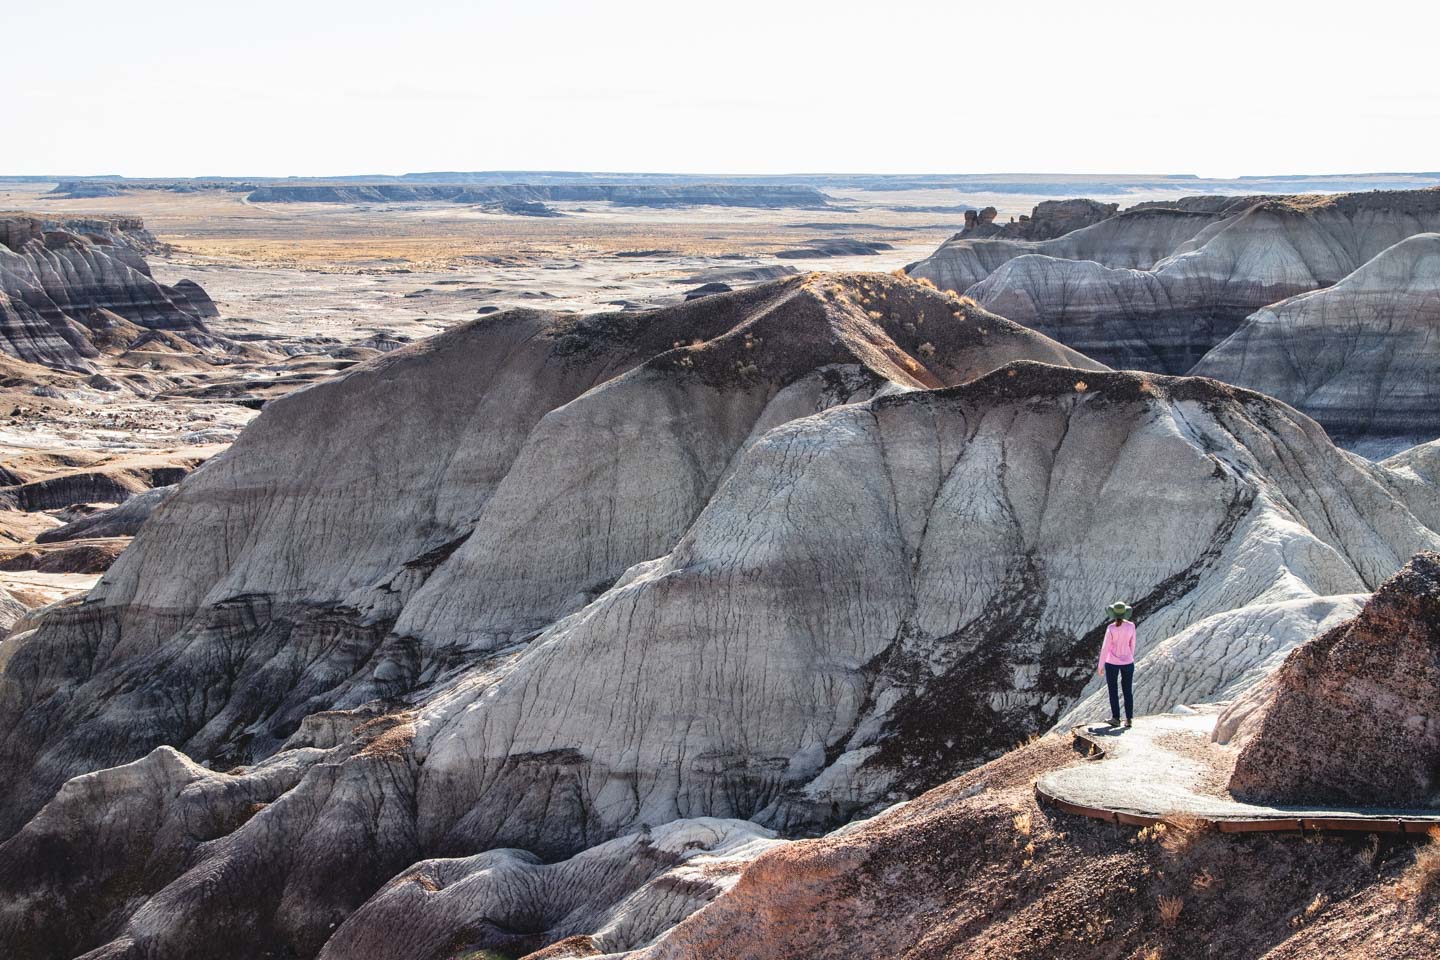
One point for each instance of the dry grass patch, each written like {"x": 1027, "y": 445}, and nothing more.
{"x": 1170, "y": 909}
{"x": 1177, "y": 834}
{"x": 1422, "y": 880}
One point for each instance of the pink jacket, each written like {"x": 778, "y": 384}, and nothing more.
{"x": 1119, "y": 647}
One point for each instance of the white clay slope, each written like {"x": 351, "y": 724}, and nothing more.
{"x": 873, "y": 599}
{"x": 1362, "y": 356}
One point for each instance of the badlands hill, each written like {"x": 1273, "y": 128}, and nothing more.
{"x": 976, "y": 868}
{"x": 1156, "y": 286}
{"x": 542, "y": 627}
{"x": 1377, "y": 679}
{"x": 69, "y": 289}
{"x": 1362, "y": 356}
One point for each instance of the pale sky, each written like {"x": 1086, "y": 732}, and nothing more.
{"x": 264, "y": 88}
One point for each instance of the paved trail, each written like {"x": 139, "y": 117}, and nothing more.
{"x": 1167, "y": 766}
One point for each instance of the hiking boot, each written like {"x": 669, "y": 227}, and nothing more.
{"x": 1113, "y": 721}
{"x": 1128, "y": 724}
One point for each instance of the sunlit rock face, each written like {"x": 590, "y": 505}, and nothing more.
{"x": 1156, "y": 287}
{"x": 1362, "y": 356}
{"x": 1353, "y": 716}
{"x": 69, "y": 289}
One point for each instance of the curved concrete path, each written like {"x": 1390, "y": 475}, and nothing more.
{"x": 1167, "y": 766}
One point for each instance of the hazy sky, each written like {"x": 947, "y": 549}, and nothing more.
{"x": 309, "y": 88}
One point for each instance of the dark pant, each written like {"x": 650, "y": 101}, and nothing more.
{"x": 1125, "y": 674}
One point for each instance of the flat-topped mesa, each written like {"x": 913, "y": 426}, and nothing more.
{"x": 621, "y": 194}
{"x": 68, "y": 287}
{"x": 1361, "y": 356}
{"x": 1353, "y": 716}
{"x": 1155, "y": 287}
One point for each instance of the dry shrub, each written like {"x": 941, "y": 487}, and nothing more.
{"x": 927, "y": 349}
{"x": 1024, "y": 823}
{"x": 1312, "y": 909}
{"x": 387, "y": 737}
{"x": 1423, "y": 877}
{"x": 1029, "y": 739}
{"x": 925, "y": 282}
{"x": 1204, "y": 880}
{"x": 1150, "y": 953}
{"x": 1180, "y": 832}
{"x": 1369, "y": 853}
{"x": 1170, "y": 908}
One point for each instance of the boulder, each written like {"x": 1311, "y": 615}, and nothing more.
{"x": 1353, "y": 716}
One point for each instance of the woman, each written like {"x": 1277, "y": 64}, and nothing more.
{"x": 1117, "y": 661}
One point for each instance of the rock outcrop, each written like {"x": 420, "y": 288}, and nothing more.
{"x": 785, "y": 556}
{"x": 123, "y": 520}
{"x": 1353, "y": 716}
{"x": 67, "y": 289}
{"x": 1155, "y": 288}
{"x": 614, "y": 897}
{"x": 57, "y": 481}
{"x": 11, "y": 610}
{"x": 1362, "y": 356}
{"x": 1049, "y": 219}
{"x": 1134, "y": 239}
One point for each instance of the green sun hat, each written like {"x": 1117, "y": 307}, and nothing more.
{"x": 1119, "y": 609}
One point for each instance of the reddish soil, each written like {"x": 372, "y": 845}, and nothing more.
{"x": 977, "y": 869}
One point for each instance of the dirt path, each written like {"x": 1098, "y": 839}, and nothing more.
{"x": 1166, "y": 766}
